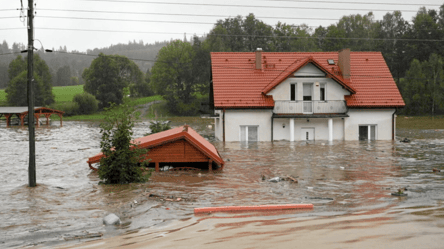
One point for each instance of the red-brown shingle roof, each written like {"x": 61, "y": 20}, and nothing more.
{"x": 237, "y": 84}
{"x": 182, "y": 132}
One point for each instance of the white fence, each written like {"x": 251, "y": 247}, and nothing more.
{"x": 310, "y": 107}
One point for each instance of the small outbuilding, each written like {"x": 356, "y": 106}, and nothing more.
{"x": 181, "y": 146}
{"x": 22, "y": 111}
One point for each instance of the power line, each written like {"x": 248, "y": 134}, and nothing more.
{"x": 125, "y": 20}
{"x": 241, "y": 6}
{"x": 256, "y": 36}
{"x": 197, "y": 15}
{"x": 380, "y": 3}
{"x": 225, "y": 67}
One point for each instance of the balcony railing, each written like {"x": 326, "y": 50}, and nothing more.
{"x": 309, "y": 107}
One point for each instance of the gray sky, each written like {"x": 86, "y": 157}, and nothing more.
{"x": 60, "y": 22}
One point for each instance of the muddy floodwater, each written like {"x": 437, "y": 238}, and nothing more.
{"x": 349, "y": 183}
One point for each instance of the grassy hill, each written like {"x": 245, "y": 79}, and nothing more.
{"x": 65, "y": 94}
{"x": 3, "y": 98}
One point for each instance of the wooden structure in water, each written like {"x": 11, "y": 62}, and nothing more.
{"x": 177, "y": 145}
{"x": 22, "y": 111}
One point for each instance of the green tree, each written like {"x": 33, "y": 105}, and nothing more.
{"x": 121, "y": 161}
{"x": 433, "y": 69}
{"x": 43, "y": 86}
{"x": 392, "y": 29}
{"x": 17, "y": 66}
{"x": 74, "y": 81}
{"x": 172, "y": 77}
{"x": 142, "y": 88}
{"x": 17, "y": 91}
{"x": 107, "y": 77}
{"x": 64, "y": 76}
{"x": 424, "y": 86}
{"x": 425, "y": 27}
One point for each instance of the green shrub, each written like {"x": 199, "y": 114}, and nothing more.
{"x": 158, "y": 126}
{"x": 87, "y": 103}
{"x": 70, "y": 108}
{"x": 121, "y": 161}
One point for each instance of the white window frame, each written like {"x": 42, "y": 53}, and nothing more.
{"x": 369, "y": 129}
{"x": 325, "y": 91}
{"x": 295, "y": 92}
{"x": 246, "y": 132}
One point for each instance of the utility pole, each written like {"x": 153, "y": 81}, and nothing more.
{"x": 31, "y": 127}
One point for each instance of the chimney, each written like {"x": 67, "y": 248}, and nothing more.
{"x": 259, "y": 58}
{"x": 344, "y": 62}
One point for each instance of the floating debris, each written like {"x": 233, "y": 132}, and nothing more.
{"x": 84, "y": 236}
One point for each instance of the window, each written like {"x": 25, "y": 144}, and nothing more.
{"x": 322, "y": 93}
{"x": 367, "y": 132}
{"x": 308, "y": 91}
{"x": 292, "y": 92}
{"x": 248, "y": 133}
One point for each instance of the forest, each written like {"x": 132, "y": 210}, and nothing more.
{"x": 413, "y": 50}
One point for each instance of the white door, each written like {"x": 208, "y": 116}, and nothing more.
{"x": 307, "y": 133}
{"x": 308, "y": 98}
{"x": 248, "y": 133}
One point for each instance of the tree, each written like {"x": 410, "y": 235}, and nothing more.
{"x": 108, "y": 75}
{"x": 424, "y": 86}
{"x": 425, "y": 27}
{"x": 172, "y": 77}
{"x": 64, "y": 76}
{"x": 17, "y": 66}
{"x": 17, "y": 94}
{"x": 392, "y": 29}
{"x": 42, "y": 83}
{"x": 433, "y": 69}
{"x": 142, "y": 88}
{"x": 121, "y": 161}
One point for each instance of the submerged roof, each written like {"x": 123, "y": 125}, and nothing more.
{"x": 24, "y": 109}
{"x": 183, "y": 132}
{"x": 237, "y": 84}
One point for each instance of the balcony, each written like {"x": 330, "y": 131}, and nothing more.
{"x": 309, "y": 107}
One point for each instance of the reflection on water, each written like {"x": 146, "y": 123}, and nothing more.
{"x": 337, "y": 178}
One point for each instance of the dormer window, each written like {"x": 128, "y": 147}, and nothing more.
{"x": 331, "y": 62}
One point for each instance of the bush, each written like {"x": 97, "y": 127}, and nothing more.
{"x": 70, "y": 108}
{"x": 186, "y": 109}
{"x": 121, "y": 161}
{"x": 87, "y": 103}
{"x": 158, "y": 126}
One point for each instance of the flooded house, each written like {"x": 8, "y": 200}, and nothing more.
{"x": 180, "y": 147}
{"x": 297, "y": 96}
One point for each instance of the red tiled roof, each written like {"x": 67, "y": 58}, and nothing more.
{"x": 171, "y": 135}
{"x": 298, "y": 64}
{"x": 237, "y": 84}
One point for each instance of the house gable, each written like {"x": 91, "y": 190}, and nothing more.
{"x": 298, "y": 64}
{"x": 309, "y": 70}
{"x": 334, "y": 91}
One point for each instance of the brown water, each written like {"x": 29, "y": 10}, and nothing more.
{"x": 340, "y": 179}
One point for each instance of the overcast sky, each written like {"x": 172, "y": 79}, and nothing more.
{"x": 88, "y": 24}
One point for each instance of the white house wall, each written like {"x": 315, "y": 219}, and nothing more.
{"x": 320, "y": 126}
{"x": 218, "y": 125}
{"x": 236, "y": 118}
{"x": 381, "y": 118}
